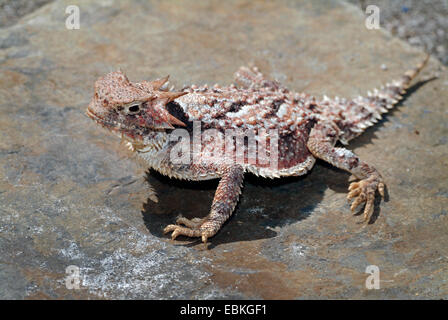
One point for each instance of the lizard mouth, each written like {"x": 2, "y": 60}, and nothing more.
{"x": 91, "y": 114}
{"x": 113, "y": 126}
{"x": 110, "y": 124}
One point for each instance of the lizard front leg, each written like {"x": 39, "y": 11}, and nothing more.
{"x": 224, "y": 202}
{"x": 321, "y": 143}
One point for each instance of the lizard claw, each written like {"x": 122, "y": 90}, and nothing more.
{"x": 191, "y": 228}
{"x": 183, "y": 231}
{"x": 364, "y": 191}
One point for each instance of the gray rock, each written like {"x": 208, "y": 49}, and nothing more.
{"x": 71, "y": 195}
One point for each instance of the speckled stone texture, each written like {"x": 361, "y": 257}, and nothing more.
{"x": 422, "y": 23}
{"x": 72, "y": 195}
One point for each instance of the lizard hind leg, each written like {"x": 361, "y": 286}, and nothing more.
{"x": 321, "y": 144}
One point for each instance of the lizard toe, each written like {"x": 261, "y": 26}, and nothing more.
{"x": 364, "y": 192}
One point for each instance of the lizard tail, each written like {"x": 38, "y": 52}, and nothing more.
{"x": 363, "y": 112}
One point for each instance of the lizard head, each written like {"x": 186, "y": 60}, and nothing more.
{"x": 132, "y": 109}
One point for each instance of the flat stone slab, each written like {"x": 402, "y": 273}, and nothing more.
{"x": 72, "y": 195}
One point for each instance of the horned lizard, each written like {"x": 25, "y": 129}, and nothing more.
{"x": 146, "y": 113}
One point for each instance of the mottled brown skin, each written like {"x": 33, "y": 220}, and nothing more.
{"x": 145, "y": 114}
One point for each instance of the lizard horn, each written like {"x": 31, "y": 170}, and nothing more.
{"x": 157, "y": 84}
{"x": 170, "y": 96}
{"x": 174, "y": 120}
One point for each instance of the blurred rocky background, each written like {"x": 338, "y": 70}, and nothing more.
{"x": 12, "y": 10}
{"x": 422, "y": 23}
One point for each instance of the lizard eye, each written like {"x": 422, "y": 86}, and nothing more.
{"x": 133, "y": 109}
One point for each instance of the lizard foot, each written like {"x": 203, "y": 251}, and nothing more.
{"x": 364, "y": 191}
{"x": 191, "y": 228}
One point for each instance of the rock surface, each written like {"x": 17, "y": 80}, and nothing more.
{"x": 71, "y": 195}
{"x": 422, "y": 23}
